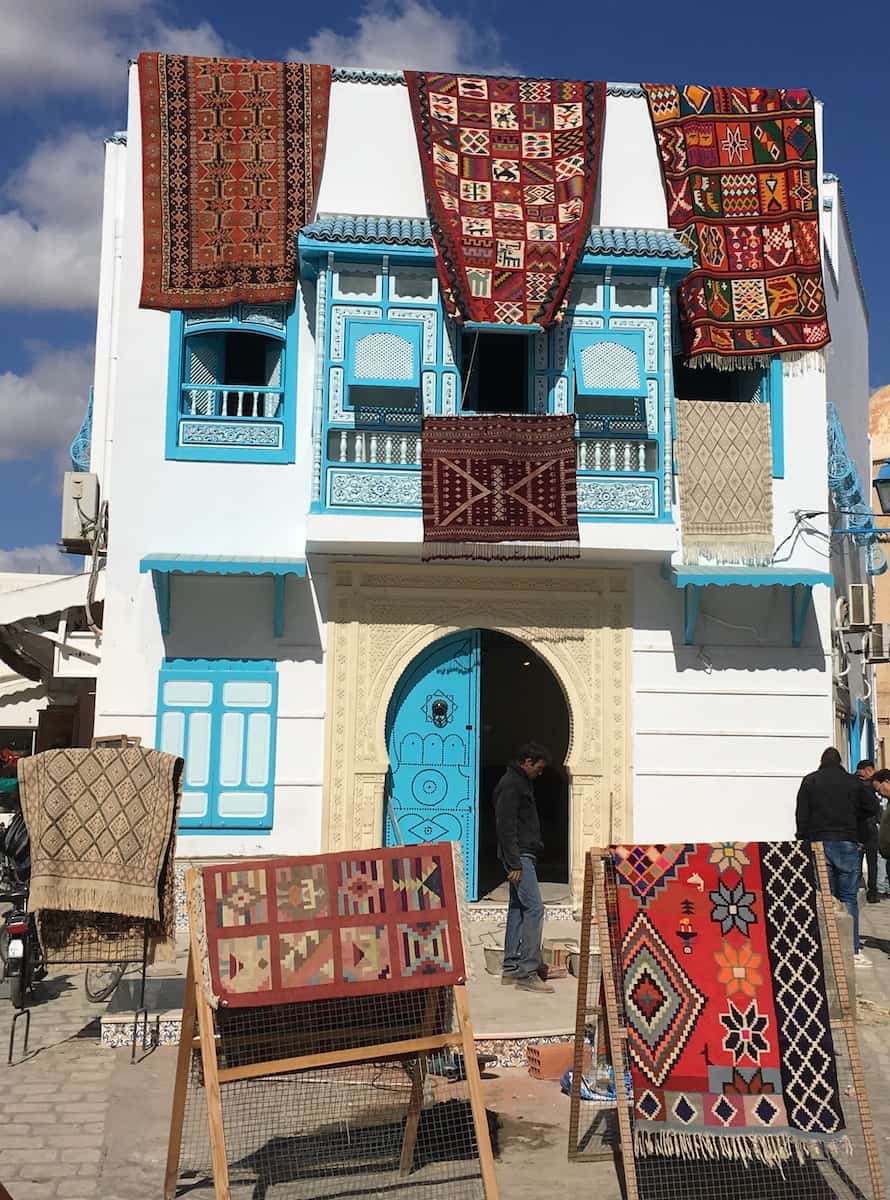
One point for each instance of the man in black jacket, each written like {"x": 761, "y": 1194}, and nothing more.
{"x": 833, "y": 807}
{"x": 519, "y": 843}
{"x": 865, "y": 770}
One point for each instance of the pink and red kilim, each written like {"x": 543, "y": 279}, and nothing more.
{"x": 499, "y": 479}
{"x": 232, "y": 152}
{"x": 510, "y": 169}
{"x": 725, "y": 1001}
{"x": 740, "y": 170}
{"x": 291, "y": 929}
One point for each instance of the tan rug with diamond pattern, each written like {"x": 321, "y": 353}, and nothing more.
{"x": 725, "y": 477}
{"x": 100, "y": 823}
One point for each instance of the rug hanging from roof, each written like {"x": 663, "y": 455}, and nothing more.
{"x": 331, "y": 925}
{"x": 509, "y": 169}
{"x": 725, "y": 1001}
{"x": 232, "y": 152}
{"x": 499, "y": 487}
{"x": 725, "y": 478}
{"x": 740, "y": 172}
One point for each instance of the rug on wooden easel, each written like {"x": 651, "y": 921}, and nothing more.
{"x": 360, "y": 923}
{"x": 723, "y": 980}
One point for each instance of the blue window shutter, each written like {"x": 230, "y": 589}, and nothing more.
{"x": 221, "y": 716}
{"x": 204, "y": 364}
{"x": 608, "y": 363}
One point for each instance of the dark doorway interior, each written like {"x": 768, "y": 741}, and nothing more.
{"x": 522, "y": 701}
{"x": 494, "y": 372}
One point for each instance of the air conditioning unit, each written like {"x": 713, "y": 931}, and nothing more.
{"x": 858, "y": 606}
{"x": 80, "y": 511}
{"x": 879, "y": 642}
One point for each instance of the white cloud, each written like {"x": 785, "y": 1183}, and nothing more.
{"x": 407, "y": 33}
{"x": 43, "y": 560}
{"x": 49, "y": 236}
{"x": 62, "y": 46}
{"x": 43, "y": 408}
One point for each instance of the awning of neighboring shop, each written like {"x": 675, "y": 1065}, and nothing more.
{"x": 163, "y": 566}
{"x": 801, "y": 583}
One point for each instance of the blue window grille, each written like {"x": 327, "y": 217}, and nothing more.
{"x": 232, "y": 384}
{"x": 220, "y": 716}
{"x": 610, "y": 382}
{"x": 383, "y": 363}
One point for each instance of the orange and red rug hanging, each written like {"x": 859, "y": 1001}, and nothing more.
{"x": 509, "y": 169}
{"x": 499, "y": 487}
{"x": 740, "y": 168}
{"x": 232, "y": 152}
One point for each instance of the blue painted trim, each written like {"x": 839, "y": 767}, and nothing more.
{"x": 632, "y": 264}
{"x": 496, "y": 327}
{"x": 181, "y": 564}
{"x": 707, "y": 576}
{"x": 284, "y": 454}
{"x": 217, "y": 672}
{"x": 775, "y": 384}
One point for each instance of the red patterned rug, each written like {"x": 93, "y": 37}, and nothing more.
{"x": 510, "y": 169}
{"x": 232, "y": 152}
{"x": 290, "y": 929}
{"x": 499, "y": 487}
{"x": 741, "y": 175}
{"x": 725, "y": 1001}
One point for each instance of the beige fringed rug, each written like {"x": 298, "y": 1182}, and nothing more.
{"x": 101, "y": 823}
{"x": 725, "y": 477}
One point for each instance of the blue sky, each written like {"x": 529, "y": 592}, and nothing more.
{"x": 63, "y": 88}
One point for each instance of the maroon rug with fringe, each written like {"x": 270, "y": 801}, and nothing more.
{"x": 499, "y": 487}
{"x": 232, "y": 152}
{"x": 741, "y": 175}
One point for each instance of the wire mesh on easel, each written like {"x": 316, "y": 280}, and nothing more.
{"x": 336, "y": 1131}
{"x": 833, "y": 1175}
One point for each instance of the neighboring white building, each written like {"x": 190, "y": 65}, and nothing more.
{"x": 267, "y": 611}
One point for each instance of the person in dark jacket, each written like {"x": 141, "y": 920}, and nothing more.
{"x": 519, "y": 843}
{"x": 865, "y": 770}
{"x": 833, "y": 807}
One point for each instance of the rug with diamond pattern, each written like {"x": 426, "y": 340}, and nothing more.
{"x": 101, "y": 824}
{"x": 362, "y": 923}
{"x": 510, "y": 170}
{"x": 725, "y": 477}
{"x": 232, "y": 152}
{"x": 741, "y": 177}
{"x": 725, "y": 1001}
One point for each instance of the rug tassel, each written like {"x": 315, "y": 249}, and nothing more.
{"x": 771, "y": 1150}
{"x": 500, "y": 551}
{"x": 795, "y": 362}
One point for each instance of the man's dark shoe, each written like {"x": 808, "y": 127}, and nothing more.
{"x": 872, "y": 897}
{"x": 531, "y": 983}
{"x": 508, "y": 978}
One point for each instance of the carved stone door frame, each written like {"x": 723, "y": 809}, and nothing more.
{"x": 576, "y": 618}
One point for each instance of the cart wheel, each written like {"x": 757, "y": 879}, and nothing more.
{"x": 101, "y": 982}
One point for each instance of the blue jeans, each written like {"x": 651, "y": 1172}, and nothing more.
{"x": 844, "y": 860}
{"x": 525, "y": 923}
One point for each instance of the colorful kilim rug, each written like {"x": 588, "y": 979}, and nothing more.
{"x": 725, "y": 1001}
{"x": 510, "y": 169}
{"x": 363, "y": 923}
{"x": 741, "y": 177}
{"x": 101, "y": 824}
{"x": 499, "y": 487}
{"x": 232, "y": 152}
{"x": 725, "y": 477}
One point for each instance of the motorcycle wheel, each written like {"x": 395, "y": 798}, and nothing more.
{"x": 17, "y": 990}
{"x": 100, "y": 983}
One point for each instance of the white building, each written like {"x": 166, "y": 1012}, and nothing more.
{"x": 267, "y": 611}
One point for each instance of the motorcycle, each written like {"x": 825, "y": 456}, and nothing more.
{"x": 20, "y": 950}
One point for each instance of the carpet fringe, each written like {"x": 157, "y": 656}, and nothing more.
{"x": 501, "y": 551}
{"x": 744, "y": 550}
{"x": 796, "y": 362}
{"x": 768, "y": 1149}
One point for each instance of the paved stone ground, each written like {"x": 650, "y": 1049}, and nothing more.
{"x": 81, "y": 1123}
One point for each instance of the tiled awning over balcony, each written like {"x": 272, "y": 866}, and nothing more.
{"x": 801, "y": 582}
{"x": 163, "y": 566}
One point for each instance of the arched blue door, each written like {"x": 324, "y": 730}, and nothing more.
{"x": 433, "y": 741}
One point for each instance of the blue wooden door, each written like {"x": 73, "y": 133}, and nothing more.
{"x": 433, "y": 741}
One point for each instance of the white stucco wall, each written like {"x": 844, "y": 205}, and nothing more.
{"x": 722, "y": 730}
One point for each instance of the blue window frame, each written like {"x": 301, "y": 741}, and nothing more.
{"x": 232, "y": 384}
{"x": 383, "y": 363}
{"x": 220, "y": 716}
